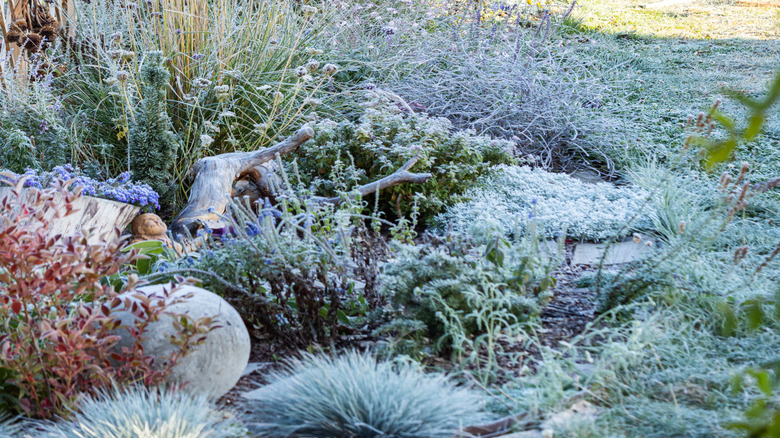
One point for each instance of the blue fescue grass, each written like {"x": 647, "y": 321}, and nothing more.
{"x": 353, "y": 395}
{"x": 140, "y": 412}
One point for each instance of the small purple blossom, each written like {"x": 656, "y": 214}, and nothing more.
{"x": 118, "y": 189}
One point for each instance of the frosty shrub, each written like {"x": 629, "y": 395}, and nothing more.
{"x": 459, "y": 291}
{"x": 508, "y": 197}
{"x": 355, "y": 396}
{"x": 31, "y": 133}
{"x": 382, "y": 140}
{"x": 291, "y": 269}
{"x": 140, "y": 412}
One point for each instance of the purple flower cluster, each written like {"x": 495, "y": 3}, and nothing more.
{"x": 119, "y": 189}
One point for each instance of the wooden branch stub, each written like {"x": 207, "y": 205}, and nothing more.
{"x": 400, "y": 176}
{"x": 214, "y": 177}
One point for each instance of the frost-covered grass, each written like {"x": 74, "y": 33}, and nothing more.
{"x": 507, "y": 199}
{"x": 140, "y": 412}
{"x": 355, "y": 396}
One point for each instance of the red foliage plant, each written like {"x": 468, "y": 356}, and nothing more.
{"x": 58, "y": 325}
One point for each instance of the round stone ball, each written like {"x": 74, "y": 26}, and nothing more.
{"x": 212, "y": 367}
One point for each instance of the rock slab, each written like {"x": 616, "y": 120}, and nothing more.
{"x": 211, "y": 368}
{"x": 623, "y": 252}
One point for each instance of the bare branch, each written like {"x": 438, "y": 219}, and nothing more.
{"x": 400, "y": 176}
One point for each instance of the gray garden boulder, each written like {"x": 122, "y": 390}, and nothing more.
{"x": 212, "y": 367}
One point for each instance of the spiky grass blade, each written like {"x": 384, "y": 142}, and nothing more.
{"x": 353, "y": 395}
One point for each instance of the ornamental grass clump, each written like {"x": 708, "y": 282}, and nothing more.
{"x": 354, "y": 395}
{"x": 141, "y": 412}
{"x": 7, "y": 427}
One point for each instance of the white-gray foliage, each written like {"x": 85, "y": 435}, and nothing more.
{"x": 355, "y": 396}
{"x": 511, "y": 196}
{"x": 144, "y": 413}
{"x": 8, "y": 429}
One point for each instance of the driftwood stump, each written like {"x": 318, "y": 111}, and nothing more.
{"x": 214, "y": 177}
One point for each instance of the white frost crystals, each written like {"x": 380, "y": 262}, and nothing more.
{"x": 511, "y": 196}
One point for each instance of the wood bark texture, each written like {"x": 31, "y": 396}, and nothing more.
{"x": 214, "y": 177}
{"x": 100, "y": 216}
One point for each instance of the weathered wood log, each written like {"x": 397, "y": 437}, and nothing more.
{"x": 99, "y": 215}
{"x": 214, "y": 177}
{"x": 258, "y": 183}
{"x": 400, "y": 176}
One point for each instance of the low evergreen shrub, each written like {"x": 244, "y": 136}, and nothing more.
{"x": 345, "y": 154}
{"x": 506, "y": 198}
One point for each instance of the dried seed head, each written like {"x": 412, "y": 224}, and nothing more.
{"x": 300, "y": 71}
{"x": 313, "y": 65}
{"x": 201, "y": 82}
{"x": 308, "y": 11}
{"x": 49, "y": 32}
{"x": 20, "y": 25}
{"x": 122, "y": 76}
{"x": 14, "y": 36}
{"x": 206, "y": 140}
{"x": 32, "y": 42}
{"x": 330, "y": 69}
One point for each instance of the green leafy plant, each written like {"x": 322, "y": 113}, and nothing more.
{"x": 58, "y": 311}
{"x": 137, "y": 411}
{"x": 381, "y": 141}
{"x": 353, "y": 395}
{"x": 469, "y": 297}
{"x": 719, "y": 150}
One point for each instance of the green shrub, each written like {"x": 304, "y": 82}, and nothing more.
{"x": 293, "y": 269}
{"x": 508, "y": 196}
{"x": 140, "y": 412}
{"x": 460, "y": 292}
{"x": 382, "y": 140}
{"x": 152, "y": 147}
{"x": 353, "y": 395}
